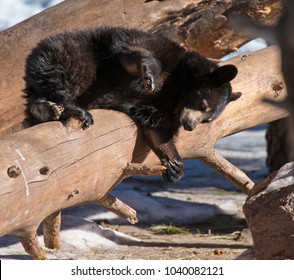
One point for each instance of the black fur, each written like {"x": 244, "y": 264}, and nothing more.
{"x": 150, "y": 78}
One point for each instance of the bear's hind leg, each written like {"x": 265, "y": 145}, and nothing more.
{"x": 45, "y": 111}
{"x": 141, "y": 63}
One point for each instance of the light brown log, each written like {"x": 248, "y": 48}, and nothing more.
{"x": 118, "y": 207}
{"x": 229, "y": 171}
{"x": 58, "y": 167}
{"x": 196, "y": 24}
{"x": 32, "y": 246}
{"x": 51, "y": 230}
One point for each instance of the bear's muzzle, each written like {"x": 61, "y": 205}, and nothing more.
{"x": 190, "y": 118}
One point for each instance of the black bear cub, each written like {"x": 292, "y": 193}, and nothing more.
{"x": 152, "y": 79}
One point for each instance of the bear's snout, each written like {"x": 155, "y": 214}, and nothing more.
{"x": 190, "y": 118}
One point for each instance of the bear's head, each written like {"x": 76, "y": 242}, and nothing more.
{"x": 205, "y": 90}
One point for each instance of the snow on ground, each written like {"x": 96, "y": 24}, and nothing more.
{"x": 200, "y": 195}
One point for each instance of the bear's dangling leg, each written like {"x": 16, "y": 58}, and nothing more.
{"x": 161, "y": 142}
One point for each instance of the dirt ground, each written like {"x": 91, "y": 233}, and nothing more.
{"x": 224, "y": 239}
{"x": 179, "y": 246}
{"x": 194, "y": 243}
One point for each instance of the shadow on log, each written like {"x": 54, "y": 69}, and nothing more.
{"x": 50, "y": 167}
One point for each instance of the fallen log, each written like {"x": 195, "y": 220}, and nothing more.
{"x": 187, "y": 21}
{"x": 50, "y": 167}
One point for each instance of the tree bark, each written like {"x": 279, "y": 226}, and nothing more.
{"x": 196, "y": 24}
{"x": 43, "y": 172}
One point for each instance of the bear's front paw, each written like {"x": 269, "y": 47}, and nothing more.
{"x": 45, "y": 111}
{"x": 174, "y": 171}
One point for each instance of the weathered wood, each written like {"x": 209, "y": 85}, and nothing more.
{"x": 204, "y": 25}
{"x": 187, "y": 21}
{"x": 56, "y": 167}
{"x": 229, "y": 171}
{"x": 32, "y": 246}
{"x": 118, "y": 207}
{"x": 51, "y": 230}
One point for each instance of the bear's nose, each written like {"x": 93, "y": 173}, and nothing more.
{"x": 190, "y": 118}
{"x": 188, "y": 126}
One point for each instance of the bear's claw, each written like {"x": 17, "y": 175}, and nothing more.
{"x": 87, "y": 120}
{"x": 174, "y": 171}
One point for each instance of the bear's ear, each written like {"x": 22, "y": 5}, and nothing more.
{"x": 223, "y": 74}
{"x": 131, "y": 63}
{"x": 136, "y": 60}
{"x": 234, "y": 96}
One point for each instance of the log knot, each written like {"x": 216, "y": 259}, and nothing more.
{"x": 277, "y": 86}
{"x": 13, "y": 171}
{"x": 72, "y": 194}
{"x": 44, "y": 170}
